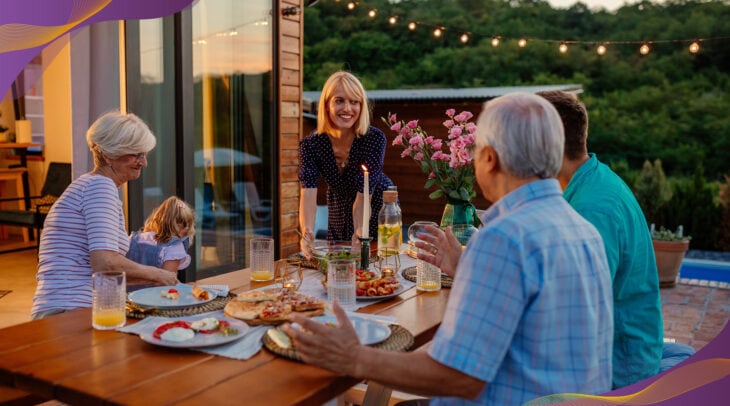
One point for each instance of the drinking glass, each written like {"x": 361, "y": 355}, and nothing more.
{"x": 289, "y": 273}
{"x": 109, "y": 295}
{"x": 417, "y": 228}
{"x": 428, "y": 276}
{"x": 341, "y": 281}
{"x": 262, "y": 259}
{"x": 388, "y": 262}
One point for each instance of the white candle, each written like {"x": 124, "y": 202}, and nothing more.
{"x": 366, "y": 204}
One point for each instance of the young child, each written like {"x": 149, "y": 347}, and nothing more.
{"x": 165, "y": 238}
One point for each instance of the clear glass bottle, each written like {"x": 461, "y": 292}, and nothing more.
{"x": 389, "y": 225}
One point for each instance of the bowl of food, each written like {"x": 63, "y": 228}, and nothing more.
{"x": 324, "y": 251}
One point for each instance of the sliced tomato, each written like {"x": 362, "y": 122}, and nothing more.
{"x": 222, "y": 325}
{"x": 172, "y": 290}
{"x": 360, "y": 292}
{"x": 164, "y": 327}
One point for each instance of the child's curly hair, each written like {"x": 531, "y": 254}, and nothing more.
{"x": 166, "y": 218}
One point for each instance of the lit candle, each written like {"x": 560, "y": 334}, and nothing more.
{"x": 366, "y": 204}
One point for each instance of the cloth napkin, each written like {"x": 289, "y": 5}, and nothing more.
{"x": 240, "y": 349}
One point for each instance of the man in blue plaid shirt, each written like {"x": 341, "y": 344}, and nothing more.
{"x": 530, "y": 311}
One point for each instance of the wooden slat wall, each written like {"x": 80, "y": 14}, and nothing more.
{"x": 291, "y": 44}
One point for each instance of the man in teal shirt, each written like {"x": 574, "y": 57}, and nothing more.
{"x": 602, "y": 198}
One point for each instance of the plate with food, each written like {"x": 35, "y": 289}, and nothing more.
{"x": 195, "y": 333}
{"x": 272, "y": 306}
{"x": 171, "y": 297}
{"x": 368, "y": 286}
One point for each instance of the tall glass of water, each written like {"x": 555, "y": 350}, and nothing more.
{"x": 341, "y": 281}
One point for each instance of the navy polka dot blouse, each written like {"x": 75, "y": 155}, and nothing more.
{"x": 316, "y": 158}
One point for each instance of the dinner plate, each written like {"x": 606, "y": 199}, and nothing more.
{"x": 150, "y": 297}
{"x": 369, "y": 332}
{"x": 200, "y": 340}
{"x": 397, "y": 292}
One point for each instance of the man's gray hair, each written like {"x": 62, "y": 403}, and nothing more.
{"x": 116, "y": 134}
{"x": 526, "y": 132}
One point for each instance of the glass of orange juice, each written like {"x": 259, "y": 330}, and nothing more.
{"x": 262, "y": 259}
{"x": 109, "y": 295}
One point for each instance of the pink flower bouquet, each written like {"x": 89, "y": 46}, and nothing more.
{"x": 450, "y": 170}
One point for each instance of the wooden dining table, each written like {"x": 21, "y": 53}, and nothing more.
{"x": 62, "y": 357}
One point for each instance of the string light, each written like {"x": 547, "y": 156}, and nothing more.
{"x": 601, "y": 49}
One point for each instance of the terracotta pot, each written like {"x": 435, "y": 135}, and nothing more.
{"x": 669, "y": 255}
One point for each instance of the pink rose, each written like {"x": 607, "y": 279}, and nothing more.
{"x": 413, "y": 124}
{"x": 450, "y": 112}
{"x": 392, "y": 118}
{"x": 396, "y": 126}
{"x": 436, "y": 144}
{"x": 448, "y": 123}
{"x": 398, "y": 140}
{"x": 418, "y": 156}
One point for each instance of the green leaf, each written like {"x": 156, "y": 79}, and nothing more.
{"x": 436, "y": 194}
{"x": 429, "y": 183}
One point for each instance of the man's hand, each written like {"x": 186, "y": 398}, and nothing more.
{"x": 440, "y": 248}
{"x": 167, "y": 278}
{"x": 330, "y": 347}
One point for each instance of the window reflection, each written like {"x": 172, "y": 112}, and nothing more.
{"x": 232, "y": 73}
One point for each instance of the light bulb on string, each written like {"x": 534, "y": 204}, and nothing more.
{"x": 522, "y": 43}
{"x": 372, "y": 13}
{"x": 464, "y": 38}
{"x": 351, "y": 5}
{"x": 694, "y": 47}
{"x": 412, "y": 26}
{"x": 437, "y": 32}
{"x": 563, "y": 48}
{"x": 495, "y": 41}
{"x": 644, "y": 50}
{"x": 392, "y": 20}
{"x": 601, "y": 50}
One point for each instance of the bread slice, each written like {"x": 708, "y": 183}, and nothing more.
{"x": 259, "y": 295}
{"x": 244, "y": 310}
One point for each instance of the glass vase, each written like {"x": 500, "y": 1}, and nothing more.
{"x": 459, "y": 212}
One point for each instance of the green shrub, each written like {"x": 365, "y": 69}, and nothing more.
{"x": 652, "y": 190}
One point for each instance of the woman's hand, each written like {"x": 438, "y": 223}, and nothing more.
{"x": 306, "y": 244}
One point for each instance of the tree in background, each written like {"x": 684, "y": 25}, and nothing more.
{"x": 652, "y": 190}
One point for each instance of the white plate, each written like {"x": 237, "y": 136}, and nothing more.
{"x": 200, "y": 340}
{"x": 397, "y": 292}
{"x": 369, "y": 332}
{"x": 150, "y": 297}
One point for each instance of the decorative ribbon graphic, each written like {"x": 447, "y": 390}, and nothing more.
{"x": 676, "y": 382}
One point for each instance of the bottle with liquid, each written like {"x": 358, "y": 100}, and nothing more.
{"x": 389, "y": 227}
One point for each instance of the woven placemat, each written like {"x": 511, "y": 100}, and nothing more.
{"x": 410, "y": 274}
{"x": 218, "y": 303}
{"x": 400, "y": 340}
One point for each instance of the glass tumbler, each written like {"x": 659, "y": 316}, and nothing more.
{"x": 262, "y": 259}
{"x": 341, "y": 281}
{"x": 289, "y": 274}
{"x": 464, "y": 232}
{"x": 109, "y": 295}
{"x": 428, "y": 276}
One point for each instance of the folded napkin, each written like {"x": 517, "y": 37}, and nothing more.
{"x": 220, "y": 290}
{"x": 243, "y": 348}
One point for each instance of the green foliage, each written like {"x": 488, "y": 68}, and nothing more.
{"x": 651, "y": 189}
{"x": 668, "y": 235}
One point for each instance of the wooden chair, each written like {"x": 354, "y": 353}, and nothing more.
{"x": 57, "y": 180}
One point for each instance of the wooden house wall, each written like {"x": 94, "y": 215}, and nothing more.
{"x": 291, "y": 44}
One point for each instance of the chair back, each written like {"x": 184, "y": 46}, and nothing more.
{"x": 58, "y": 178}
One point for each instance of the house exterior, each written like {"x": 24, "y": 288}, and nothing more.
{"x": 429, "y": 107}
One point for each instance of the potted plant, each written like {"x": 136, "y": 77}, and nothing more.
{"x": 669, "y": 250}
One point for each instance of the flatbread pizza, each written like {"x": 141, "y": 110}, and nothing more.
{"x": 273, "y": 306}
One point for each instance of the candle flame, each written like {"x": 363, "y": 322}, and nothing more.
{"x": 364, "y": 168}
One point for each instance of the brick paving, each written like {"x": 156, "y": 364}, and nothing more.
{"x": 694, "y": 314}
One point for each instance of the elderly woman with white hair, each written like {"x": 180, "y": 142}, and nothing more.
{"x": 85, "y": 231}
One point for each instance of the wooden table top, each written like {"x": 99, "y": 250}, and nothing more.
{"x": 64, "y": 358}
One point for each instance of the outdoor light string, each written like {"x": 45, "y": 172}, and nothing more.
{"x": 439, "y": 31}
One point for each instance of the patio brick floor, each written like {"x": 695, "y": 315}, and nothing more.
{"x": 694, "y": 314}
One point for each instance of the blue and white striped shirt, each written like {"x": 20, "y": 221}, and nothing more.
{"x": 530, "y": 311}
{"x": 87, "y": 217}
